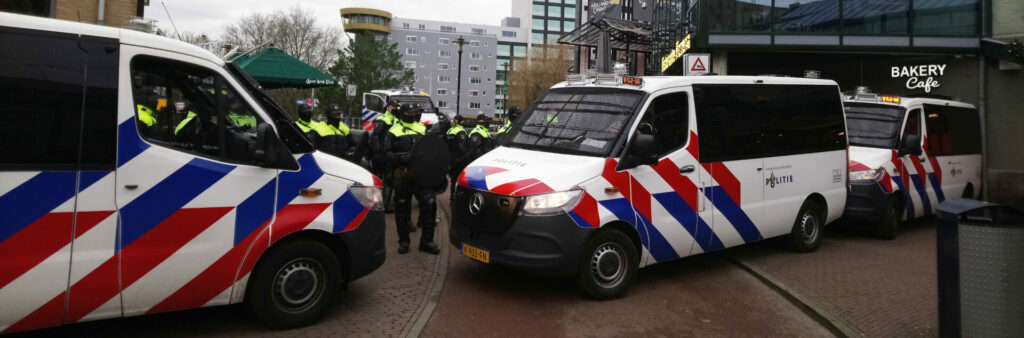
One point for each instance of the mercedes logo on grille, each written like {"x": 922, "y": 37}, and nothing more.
{"x": 476, "y": 203}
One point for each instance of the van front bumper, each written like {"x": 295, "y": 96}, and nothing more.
{"x": 865, "y": 204}
{"x": 544, "y": 244}
{"x": 365, "y": 245}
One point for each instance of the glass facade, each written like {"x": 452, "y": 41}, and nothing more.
{"x": 570, "y": 12}
{"x": 875, "y": 17}
{"x": 803, "y": 17}
{"x": 538, "y": 24}
{"x": 946, "y": 17}
{"x": 537, "y": 38}
{"x": 568, "y": 26}
{"x": 554, "y": 25}
{"x": 739, "y": 16}
{"x": 555, "y": 11}
{"x": 518, "y": 51}
{"x": 504, "y": 50}
{"x": 538, "y": 10}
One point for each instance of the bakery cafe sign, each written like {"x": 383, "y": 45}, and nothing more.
{"x": 920, "y": 76}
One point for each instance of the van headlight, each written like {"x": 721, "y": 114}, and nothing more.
{"x": 551, "y": 203}
{"x": 866, "y": 175}
{"x": 369, "y": 197}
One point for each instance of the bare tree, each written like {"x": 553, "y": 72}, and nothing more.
{"x": 294, "y": 31}
{"x": 530, "y": 77}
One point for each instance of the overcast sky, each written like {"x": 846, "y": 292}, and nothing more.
{"x": 211, "y": 16}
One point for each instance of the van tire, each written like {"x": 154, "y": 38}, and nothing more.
{"x": 889, "y": 225}
{"x": 807, "y": 228}
{"x": 294, "y": 284}
{"x": 608, "y": 265}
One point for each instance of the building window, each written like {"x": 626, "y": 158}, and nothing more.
{"x": 474, "y": 105}
{"x": 443, "y": 41}
{"x": 474, "y": 68}
{"x": 537, "y": 38}
{"x": 474, "y": 80}
{"x": 867, "y": 18}
{"x": 569, "y": 12}
{"x": 442, "y": 104}
{"x": 410, "y": 64}
{"x": 423, "y": 27}
{"x": 538, "y": 24}
{"x": 508, "y": 34}
{"x": 442, "y": 91}
{"x": 405, "y": 25}
{"x": 477, "y": 31}
{"x": 948, "y": 18}
{"x": 444, "y": 53}
{"x": 474, "y": 93}
{"x": 554, "y": 25}
{"x": 568, "y": 26}
{"x": 504, "y": 50}
{"x": 449, "y": 29}
{"x": 442, "y": 66}
{"x": 518, "y": 51}
{"x": 444, "y": 79}
{"x": 552, "y": 39}
{"x": 426, "y": 51}
{"x": 792, "y": 17}
{"x": 555, "y": 11}
{"x": 538, "y": 10}
{"x": 740, "y": 16}
{"x": 410, "y": 38}
{"x": 474, "y": 43}
{"x": 475, "y": 56}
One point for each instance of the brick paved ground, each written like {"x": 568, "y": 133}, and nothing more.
{"x": 381, "y": 304}
{"x": 882, "y": 288}
{"x": 701, "y": 296}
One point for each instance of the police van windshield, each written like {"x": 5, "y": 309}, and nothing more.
{"x": 423, "y": 101}
{"x": 874, "y": 125}
{"x": 582, "y": 121}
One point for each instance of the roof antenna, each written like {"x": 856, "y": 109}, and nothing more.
{"x": 172, "y": 20}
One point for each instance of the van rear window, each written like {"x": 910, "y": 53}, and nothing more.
{"x": 581, "y": 121}
{"x": 952, "y": 130}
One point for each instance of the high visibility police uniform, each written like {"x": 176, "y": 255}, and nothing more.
{"x": 401, "y": 139}
{"x": 480, "y": 142}
{"x": 458, "y": 147}
{"x": 331, "y": 139}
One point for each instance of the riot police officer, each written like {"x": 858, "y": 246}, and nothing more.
{"x": 480, "y": 141}
{"x": 401, "y": 139}
{"x": 305, "y": 118}
{"x": 378, "y": 160}
{"x": 458, "y": 147}
{"x": 329, "y": 138}
{"x": 513, "y": 115}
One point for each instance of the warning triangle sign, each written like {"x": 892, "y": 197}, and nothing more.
{"x": 698, "y": 66}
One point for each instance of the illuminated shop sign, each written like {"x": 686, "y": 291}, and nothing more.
{"x": 920, "y": 76}
{"x": 681, "y": 48}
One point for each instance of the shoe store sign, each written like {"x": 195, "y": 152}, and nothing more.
{"x": 920, "y": 76}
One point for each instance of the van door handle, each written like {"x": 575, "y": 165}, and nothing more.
{"x": 686, "y": 169}
{"x": 131, "y": 186}
{"x": 759, "y": 169}
{"x": 921, "y": 159}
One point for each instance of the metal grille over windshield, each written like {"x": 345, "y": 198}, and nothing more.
{"x": 872, "y": 125}
{"x": 585, "y": 121}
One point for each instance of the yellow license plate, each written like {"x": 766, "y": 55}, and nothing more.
{"x": 477, "y": 254}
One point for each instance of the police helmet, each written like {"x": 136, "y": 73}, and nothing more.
{"x": 408, "y": 112}
{"x": 334, "y": 110}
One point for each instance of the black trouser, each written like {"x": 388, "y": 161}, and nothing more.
{"x": 383, "y": 171}
{"x": 403, "y": 211}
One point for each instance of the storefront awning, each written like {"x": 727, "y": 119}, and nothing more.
{"x": 273, "y": 68}
{"x": 625, "y": 34}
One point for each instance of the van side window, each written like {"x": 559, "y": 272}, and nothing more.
{"x": 42, "y": 86}
{"x": 666, "y": 119}
{"x": 193, "y": 109}
{"x": 913, "y": 126}
{"x": 729, "y": 122}
{"x": 802, "y": 119}
{"x": 952, "y": 130}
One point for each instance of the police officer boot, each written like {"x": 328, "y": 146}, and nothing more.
{"x": 403, "y": 216}
{"x": 403, "y": 247}
{"x": 427, "y": 241}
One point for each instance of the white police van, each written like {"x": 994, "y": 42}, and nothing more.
{"x": 375, "y": 102}
{"x": 140, "y": 174}
{"x": 907, "y": 154}
{"x": 602, "y": 176}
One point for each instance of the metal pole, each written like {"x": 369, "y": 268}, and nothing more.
{"x": 507, "y": 85}
{"x": 458, "y": 86}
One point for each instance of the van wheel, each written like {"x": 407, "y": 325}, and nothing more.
{"x": 608, "y": 266}
{"x": 294, "y": 284}
{"x": 889, "y": 226}
{"x": 806, "y": 233}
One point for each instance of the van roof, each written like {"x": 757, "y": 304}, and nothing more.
{"x": 655, "y": 83}
{"x": 124, "y": 36}
{"x": 908, "y": 102}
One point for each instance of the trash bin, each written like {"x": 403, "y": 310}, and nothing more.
{"x": 980, "y": 269}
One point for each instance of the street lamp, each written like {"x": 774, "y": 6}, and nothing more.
{"x": 505, "y": 89}
{"x": 458, "y": 86}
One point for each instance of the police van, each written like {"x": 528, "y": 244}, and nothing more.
{"x": 141, "y": 175}
{"x": 375, "y": 103}
{"x": 907, "y": 155}
{"x": 601, "y": 176}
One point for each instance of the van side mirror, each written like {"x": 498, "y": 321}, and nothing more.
{"x": 642, "y": 150}
{"x": 911, "y": 145}
{"x": 265, "y": 152}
